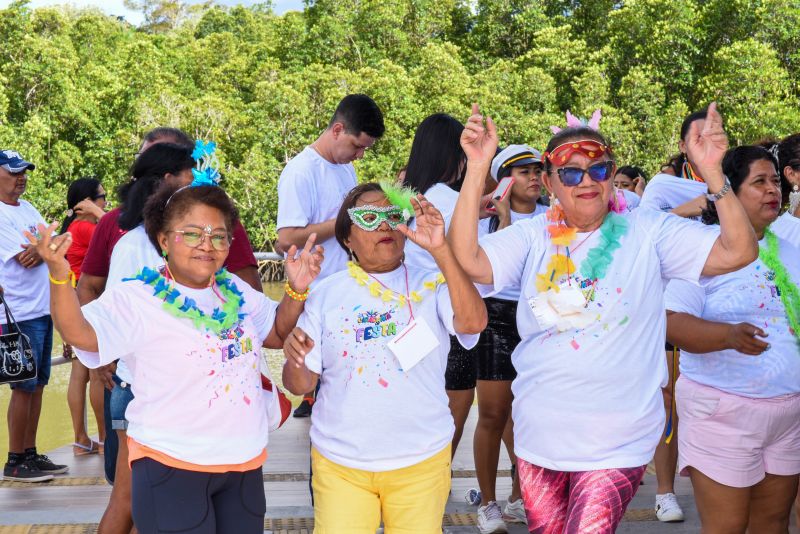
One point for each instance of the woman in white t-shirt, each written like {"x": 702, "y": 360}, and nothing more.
{"x": 191, "y": 335}
{"x": 738, "y": 395}
{"x": 788, "y": 225}
{"x": 587, "y": 398}
{"x": 376, "y": 337}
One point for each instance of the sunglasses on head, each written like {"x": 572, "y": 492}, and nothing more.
{"x": 599, "y": 172}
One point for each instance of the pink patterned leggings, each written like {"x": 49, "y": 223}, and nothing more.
{"x": 582, "y": 502}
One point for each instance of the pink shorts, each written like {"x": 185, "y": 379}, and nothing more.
{"x": 736, "y": 440}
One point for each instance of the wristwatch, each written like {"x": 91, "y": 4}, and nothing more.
{"x": 713, "y": 197}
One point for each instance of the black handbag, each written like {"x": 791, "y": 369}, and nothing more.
{"x": 17, "y": 363}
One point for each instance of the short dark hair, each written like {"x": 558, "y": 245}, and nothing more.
{"x": 343, "y": 224}
{"x": 436, "y": 154}
{"x": 146, "y": 174}
{"x": 359, "y": 113}
{"x": 169, "y": 203}
{"x": 174, "y": 135}
{"x": 569, "y": 134}
{"x": 788, "y": 156}
{"x": 736, "y": 166}
{"x": 631, "y": 171}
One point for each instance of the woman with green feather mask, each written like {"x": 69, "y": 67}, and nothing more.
{"x": 381, "y": 331}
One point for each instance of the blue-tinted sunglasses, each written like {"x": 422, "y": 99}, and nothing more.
{"x": 599, "y": 172}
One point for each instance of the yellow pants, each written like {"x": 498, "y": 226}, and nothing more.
{"x": 411, "y": 500}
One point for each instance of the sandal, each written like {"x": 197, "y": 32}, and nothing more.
{"x": 92, "y": 448}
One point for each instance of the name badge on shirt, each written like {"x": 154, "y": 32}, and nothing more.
{"x": 413, "y": 343}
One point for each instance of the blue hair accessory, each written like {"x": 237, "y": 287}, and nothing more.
{"x": 206, "y": 170}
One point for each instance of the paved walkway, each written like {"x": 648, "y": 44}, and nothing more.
{"x": 74, "y": 503}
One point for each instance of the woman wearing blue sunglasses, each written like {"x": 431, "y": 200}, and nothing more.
{"x": 587, "y": 398}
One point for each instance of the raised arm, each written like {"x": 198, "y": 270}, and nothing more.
{"x": 479, "y": 143}
{"x": 469, "y": 311}
{"x": 301, "y": 270}
{"x": 65, "y": 309}
{"x": 737, "y": 245}
{"x": 700, "y": 336}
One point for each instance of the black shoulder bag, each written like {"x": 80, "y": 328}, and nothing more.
{"x": 16, "y": 356}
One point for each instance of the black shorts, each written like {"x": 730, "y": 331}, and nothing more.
{"x": 491, "y": 357}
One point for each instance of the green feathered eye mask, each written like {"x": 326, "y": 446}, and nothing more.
{"x": 369, "y": 217}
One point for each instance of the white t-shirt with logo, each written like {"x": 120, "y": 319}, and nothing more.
{"x": 510, "y": 293}
{"x": 665, "y": 192}
{"x": 132, "y": 252}
{"x": 310, "y": 191}
{"x": 787, "y": 227}
{"x": 198, "y": 395}
{"x": 591, "y": 398}
{"x": 26, "y": 291}
{"x": 443, "y": 199}
{"x": 748, "y": 295}
{"x": 369, "y": 413}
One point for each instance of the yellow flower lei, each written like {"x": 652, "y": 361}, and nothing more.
{"x": 385, "y": 294}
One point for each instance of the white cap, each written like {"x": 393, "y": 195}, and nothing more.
{"x": 514, "y": 156}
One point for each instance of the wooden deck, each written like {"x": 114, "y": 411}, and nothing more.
{"x": 74, "y": 503}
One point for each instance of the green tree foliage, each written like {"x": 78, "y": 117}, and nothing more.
{"x": 78, "y": 88}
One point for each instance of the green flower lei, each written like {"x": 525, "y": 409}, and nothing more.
{"x": 186, "y": 308}
{"x": 595, "y": 265}
{"x": 790, "y": 295}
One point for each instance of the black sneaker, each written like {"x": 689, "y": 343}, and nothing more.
{"x": 44, "y": 465}
{"x": 25, "y": 472}
{"x": 304, "y": 410}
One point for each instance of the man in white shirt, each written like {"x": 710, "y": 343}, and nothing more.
{"x": 314, "y": 183}
{"x": 27, "y": 294}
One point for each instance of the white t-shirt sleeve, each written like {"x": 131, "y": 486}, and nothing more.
{"x": 444, "y": 307}
{"x": 10, "y": 242}
{"x": 685, "y": 297}
{"x": 682, "y": 245}
{"x": 311, "y": 323}
{"x": 261, "y": 309}
{"x": 117, "y": 325}
{"x": 507, "y": 251}
{"x": 295, "y": 195}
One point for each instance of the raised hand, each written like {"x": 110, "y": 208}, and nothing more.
{"x": 706, "y": 146}
{"x": 478, "y": 141}
{"x": 429, "y": 234}
{"x": 303, "y": 268}
{"x": 88, "y": 206}
{"x": 297, "y": 346}
{"x": 52, "y": 250}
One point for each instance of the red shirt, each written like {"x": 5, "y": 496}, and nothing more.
{"x": 81, "y": 236}
{"x": 108, "y": 232}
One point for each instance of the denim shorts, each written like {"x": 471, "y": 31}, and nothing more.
{"x": 121, "y": 396}
{"x": 40, "y": 334}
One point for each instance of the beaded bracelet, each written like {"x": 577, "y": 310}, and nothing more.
{"x": 294, "y": 295}
{"x": 70, "y": 279}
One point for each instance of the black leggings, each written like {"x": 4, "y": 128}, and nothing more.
{"x": 167, "y": 499}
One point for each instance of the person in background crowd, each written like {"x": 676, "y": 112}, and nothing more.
{"x": 738, "y": 395}
{"x": 587, "y": 398}
{"x": 198, "y": 424}
{"x": 86, "y": 202}
{"x": 630, "y": 178}
{"x": 384, "y": 356}
{"x": 26, "y": 291}
{"x": 493, "y": 353}
{"x": 435, "y": 169}
{"x": 788, "y": 152}
{"x": 314, "y": 182}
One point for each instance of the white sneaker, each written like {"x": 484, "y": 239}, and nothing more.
{"x": 490, "y": 519}
{"x": 667, "y": 508}
{"x": 514, "y": 512}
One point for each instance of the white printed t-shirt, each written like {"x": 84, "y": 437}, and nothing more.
{"x": 132, "y": 252}
{"x": 310, "y": 191}
{"x": 369, "y": 413}
{"x": 748, "y": 295}
{"x": 27, "y": 291}
{"x": 665, "y": 192}
{"x": 198, "y": 395}
{"x": 443, "y": 199}
{"x": 591, "y": 399}
{"x": 787, "y": 227}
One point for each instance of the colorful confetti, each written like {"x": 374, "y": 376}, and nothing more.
{"x": 383, "y": 382}
{"x": 574, "y": 344}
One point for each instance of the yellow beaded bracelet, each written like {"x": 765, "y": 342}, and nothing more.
{"x": 294, "y": 295}
{"x": 70, "y": 280}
